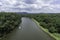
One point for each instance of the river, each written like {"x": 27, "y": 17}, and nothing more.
{"x": 28, "y": 30}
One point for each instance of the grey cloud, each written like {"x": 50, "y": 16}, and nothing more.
{"x": 27, "y": 5}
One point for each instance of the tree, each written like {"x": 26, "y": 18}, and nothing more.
{"x": 52, "y": 29}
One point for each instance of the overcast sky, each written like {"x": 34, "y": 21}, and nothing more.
{"x": 49, "y": 6}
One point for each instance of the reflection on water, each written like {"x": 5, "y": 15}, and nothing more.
{"x": 19, "y": 27}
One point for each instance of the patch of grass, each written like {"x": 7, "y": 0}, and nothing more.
{"x": 57, "y": 36}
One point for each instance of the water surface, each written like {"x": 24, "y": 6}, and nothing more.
{"x": 28, "y": 30}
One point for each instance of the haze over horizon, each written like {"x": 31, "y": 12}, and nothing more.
{"x": 31, "y": 6}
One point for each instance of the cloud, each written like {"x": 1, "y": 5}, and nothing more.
{"x": 29, "y": 5}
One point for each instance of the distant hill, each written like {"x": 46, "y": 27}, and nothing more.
{"x": 22, "y": 12}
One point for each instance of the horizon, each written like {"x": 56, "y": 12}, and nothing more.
{"x": 29, "y": 13}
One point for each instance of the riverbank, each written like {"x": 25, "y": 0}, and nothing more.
{"x": 46, "y": 30}
{"x": 57, "y": 36}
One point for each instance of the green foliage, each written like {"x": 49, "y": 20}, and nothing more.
{"x": 52, "y": 30}
{"x": 43, "y": 24}
{"x": 8, "y": 21}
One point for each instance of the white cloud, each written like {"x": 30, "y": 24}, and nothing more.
{"x": 0, "y": 3}
{"x": 37, "y": 6}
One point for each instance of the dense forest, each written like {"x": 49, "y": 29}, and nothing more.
{"x": 8, "y": 21}
{"x": 49, "y": 21}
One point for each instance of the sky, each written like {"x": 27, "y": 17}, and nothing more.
{"x": 32, "y": 6}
